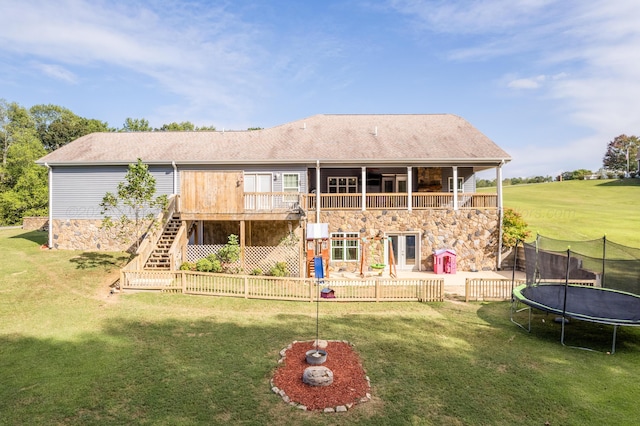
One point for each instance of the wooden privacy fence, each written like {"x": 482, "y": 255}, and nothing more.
{"x": 303, "y": 289}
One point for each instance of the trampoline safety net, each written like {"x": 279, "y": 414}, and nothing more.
{"x": 599, "y": 263}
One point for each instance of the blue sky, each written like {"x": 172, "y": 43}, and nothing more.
{"x": 550, "y": 81}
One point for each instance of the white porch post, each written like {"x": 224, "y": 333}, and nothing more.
{"x": 50, "y": 239}
{"x": 364, "y": 188}
{"x": 318, "y": 191}
{"x": 500, "y": 213}
{"x": 409, "y": 188}
{"x": 455, "y": 187}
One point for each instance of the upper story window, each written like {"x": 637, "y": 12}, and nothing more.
{"x": 342, "y": 185}
{"x": 460, "y": 184}
{"x": 291, "y": 182}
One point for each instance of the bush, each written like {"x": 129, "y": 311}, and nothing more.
{"x": 256, "y": 271}
{"x": 279, "y": 270}
{"x": 216, "y": 265}
{"x": 514, "y": 228}
{"x": 204, "y": 265}
{"x": 188, "y": 266}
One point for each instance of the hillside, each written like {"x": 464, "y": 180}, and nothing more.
{"x": 579, "y": 210}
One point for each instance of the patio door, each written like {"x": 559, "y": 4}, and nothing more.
{"x": 258, "y": 182}
{"x": 405, "y": 251}
{"x": 394, "y": 183}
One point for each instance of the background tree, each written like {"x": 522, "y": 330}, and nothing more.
{"x": 615, "y": 158}
{"x": 24, "y": 187}
{"x": 184, "y": 126}
{"x": 57, "y": 126}
{"x": 134, "y": 205}
{"x": 136, "y": 125}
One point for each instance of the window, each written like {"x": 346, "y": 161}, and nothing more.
{"x": 291, "y": 183}
{"x": 345, "y": 246}
{"x": 342, "y": 185}
{"x": 460, "y": 184}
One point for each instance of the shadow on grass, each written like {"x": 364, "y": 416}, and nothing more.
{"x": 38, "y": 237}
{"x": 546, "y": 328}
{"x": 424, "y": 370}
{"x": 621, "y": 182}
{"x": 93, "y": 260}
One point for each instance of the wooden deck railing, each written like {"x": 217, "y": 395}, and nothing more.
{"x": 400, "y": 201}
{"x": 303, "y": 289}
{"x": 272, "y": 201}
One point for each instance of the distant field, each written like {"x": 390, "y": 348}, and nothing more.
{"x": 579, "y": 210}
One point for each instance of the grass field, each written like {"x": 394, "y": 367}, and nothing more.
{"x": 579, "y": 209}
{"x": 72, "y": 354}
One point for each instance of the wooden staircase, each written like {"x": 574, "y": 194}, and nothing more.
{"x": 159, "y": 258}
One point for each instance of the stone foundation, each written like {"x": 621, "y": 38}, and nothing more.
{"x": 35, "y": 223}
{"x": 473, "y": 234}
{"x": 84, "y": 234}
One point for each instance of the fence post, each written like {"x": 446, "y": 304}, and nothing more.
{"x": 467, "y": 288}
{"x": 246, "y": 287}
{"x": 183, "y": 281}
{"x": 377, "y": 289}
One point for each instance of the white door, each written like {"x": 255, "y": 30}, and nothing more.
{"x": 405, "y": 251}
{"x": 258, "y": 182}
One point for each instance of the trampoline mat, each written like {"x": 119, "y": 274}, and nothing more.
{"x": 585, "y": 303}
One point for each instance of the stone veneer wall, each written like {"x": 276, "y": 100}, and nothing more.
{"x": 84, "y": 234}
{"x": 473, "y": 234}
{"x": 32, "y": 223}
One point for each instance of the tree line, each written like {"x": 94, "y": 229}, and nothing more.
{"x": 29, "y": 134}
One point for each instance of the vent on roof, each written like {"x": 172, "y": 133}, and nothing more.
{"x": 375, "y": 131}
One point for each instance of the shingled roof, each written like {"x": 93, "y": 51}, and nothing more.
{"x": 339, "y": 139}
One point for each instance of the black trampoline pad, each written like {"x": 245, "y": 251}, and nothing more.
{"x": 584, "y": 303}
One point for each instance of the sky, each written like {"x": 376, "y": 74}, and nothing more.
{"x": 549, "y": 81}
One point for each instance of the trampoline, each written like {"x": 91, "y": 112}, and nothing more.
{"x": 578, "y": 286}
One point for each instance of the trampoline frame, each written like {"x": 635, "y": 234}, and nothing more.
{"x": 518, "y": 297}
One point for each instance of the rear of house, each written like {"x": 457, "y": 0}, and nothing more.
{"x": 390, "y": 187}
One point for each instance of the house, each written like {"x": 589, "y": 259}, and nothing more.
{"x": 406, "y": 179}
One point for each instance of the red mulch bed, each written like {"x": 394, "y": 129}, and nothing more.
{"x": 349, "y": 385}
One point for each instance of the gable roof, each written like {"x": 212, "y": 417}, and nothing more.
{"x": 334, "y": 138}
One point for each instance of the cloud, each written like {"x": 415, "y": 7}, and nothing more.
{"x": 202, "y": 53}
{"x": 57, "y": 72}
{"x": 527, "y": 83}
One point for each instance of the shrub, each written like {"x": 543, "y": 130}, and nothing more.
{"x": 514, "y": 228}
{"x": 279, "y": 270}
{"x": 216, "y": 265}
{"x": 256, "y": 271}
{"x": 188, "y": 266}
{"x": 204, "y": 265}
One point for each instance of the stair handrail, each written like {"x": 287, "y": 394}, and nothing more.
{"x": 148, "y": 243}
{"x": 177, "y": 247}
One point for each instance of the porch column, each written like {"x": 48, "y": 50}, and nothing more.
{"x": 455, "y": 187}
{"x": 500, "y": 213}
{"x": 243, "y": 236}
{"x": 364, "y": 188}
{"x": 409, "y": 188}
{"x": 200, "y": 232}
{"x": 318, "y": 191}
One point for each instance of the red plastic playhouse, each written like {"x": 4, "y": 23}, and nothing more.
{"x": 444, "y": 261}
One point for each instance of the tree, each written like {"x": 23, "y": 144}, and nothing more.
{"x": 57, "y": 126}
{"x": 184, "y": 126}
{"x": 135, "y": 205}
{"x": 13, "y": 119}
{"x": 514, "y": 228}
{"x": 622, "y": 150}
{"x": 136, "y": 125}
{"x": 24, "y": 185}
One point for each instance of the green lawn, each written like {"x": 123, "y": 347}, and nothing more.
{"x": 72, "y": 354}
{"x": 579, "y": 209}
